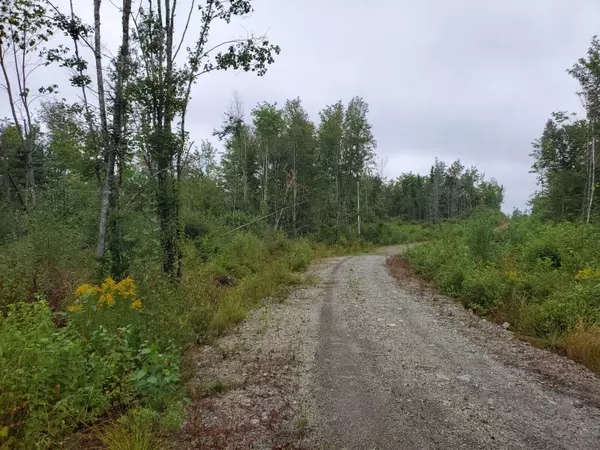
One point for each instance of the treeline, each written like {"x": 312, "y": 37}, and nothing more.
{"x": 306, "y": 178}
{"x": 448, "y": 192}
{"x": 278, "y": 168}
{"x": 566, "y": 154}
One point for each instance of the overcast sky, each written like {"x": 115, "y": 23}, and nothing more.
{"x": 468, "y": 79}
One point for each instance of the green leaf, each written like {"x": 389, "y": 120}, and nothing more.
{"x": 138, "y": 375}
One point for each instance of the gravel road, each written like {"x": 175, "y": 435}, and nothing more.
{"x": 373, "y": 363}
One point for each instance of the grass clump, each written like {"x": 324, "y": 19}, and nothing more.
{"x": 215, "y": 387}
{"x": 143, "y": 429}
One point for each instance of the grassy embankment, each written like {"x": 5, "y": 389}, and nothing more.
{"x": 541, "y": 278}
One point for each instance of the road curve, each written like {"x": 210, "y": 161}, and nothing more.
{"x": 395, "y": 370}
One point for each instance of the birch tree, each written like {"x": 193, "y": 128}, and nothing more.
{"x": 587, "y": 72}
{"x": 164, "y": 87}
{"x": 24, "y": 26}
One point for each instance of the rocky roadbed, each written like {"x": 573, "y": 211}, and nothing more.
{"x": 260, "y": 368}
{"x": 363, "y": 361}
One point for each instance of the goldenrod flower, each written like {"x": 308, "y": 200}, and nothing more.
{"x": 588, "y": 273}
{"x": 74, "y": 308}
{"x": 126, "y": 287}
{"x": 84, "y": 289}
{"x": 511, "y": 275}
{"x": 182, "y": 320}
{"x": 106, "y": 299}
{"x": 108, "y": 285}
{"x": 136, "y": 304}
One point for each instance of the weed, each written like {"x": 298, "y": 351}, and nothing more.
{"x": 583, "y": 345}
{"x": 135, "y": 431}
{"x": 215, "y": 387}
{"x": 301, "y": 425}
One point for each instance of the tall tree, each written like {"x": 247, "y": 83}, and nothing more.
{"x": 24, "y": 26}
{"x": 164, "y": 92}
{"x": 587, "y": 72}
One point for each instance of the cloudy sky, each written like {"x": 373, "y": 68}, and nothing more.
{"x": 467, "y": 79}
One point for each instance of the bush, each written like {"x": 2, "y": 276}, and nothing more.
{"x": 117, "y": 345}
{"x": 52, "y": 379}
{"x": 48, "y": 381}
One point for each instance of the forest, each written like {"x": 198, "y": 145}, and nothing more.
{"x": 123, "y": 241}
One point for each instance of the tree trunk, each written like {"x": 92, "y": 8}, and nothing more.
{"x": 108, "y": 154}
{"x": 592, "y": 174}
{"x": 294, "y": 180}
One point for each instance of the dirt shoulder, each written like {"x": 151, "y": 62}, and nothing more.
{"x": 250, "y": 385}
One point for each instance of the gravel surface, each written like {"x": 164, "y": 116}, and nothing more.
{"x": 361, "y": 361}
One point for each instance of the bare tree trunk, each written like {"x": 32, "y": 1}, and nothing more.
{"x": 294, "y": 180}
{"x": 358, "y": 204}
{"x": 592, "y": 174}
{"x": 109, "y": 157}
{"x": 266, "y": 177}
{"x": 16, "y": 120}
{"x": 114, "y": 141}
{"x": 245, "y": 176}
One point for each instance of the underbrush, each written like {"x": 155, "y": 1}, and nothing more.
{"x": 117, "y": 345}
{"x": 541, "y": 278}
{"x": 392, "y": 232}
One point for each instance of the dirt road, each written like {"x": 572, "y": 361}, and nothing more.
{"x": 372, "y": 364}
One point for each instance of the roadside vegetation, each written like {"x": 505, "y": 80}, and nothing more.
{"x": 542, "y": 278}
{"x": 124, "y": 243}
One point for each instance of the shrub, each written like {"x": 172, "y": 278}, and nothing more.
{"x": 48, "y": 381}
{"x": 52, "y": 379}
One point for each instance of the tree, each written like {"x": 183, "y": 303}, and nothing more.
{"x": 560, "y": 164}
{"x": 587, "y": 72}
{"x": 329, "y": 157}
{"x": 163, "y": 92}
{"x": 24, "y": 26}
{"x": 299, "y": 139}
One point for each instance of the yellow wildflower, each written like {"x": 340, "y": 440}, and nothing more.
{"x": 108, "y": 285}
{"x": 126, "y": 287}
{"x": 84, "y": 289}
{"x": 588, "y": 273}
{"x": 106, "y": 299}
{"x": 511, "y": 275}
{"x": 182, "y": 320}
{"x": 74, "y": 308}
{"x": 136, "y": 304}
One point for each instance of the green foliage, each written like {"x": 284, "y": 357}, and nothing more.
{"x": 52, "y": 379}
{"x": 47, "y": 381}
{"x": 566, "y": 153}
{"x": 543, "y": 278}
{"x": 48, "y": 260}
